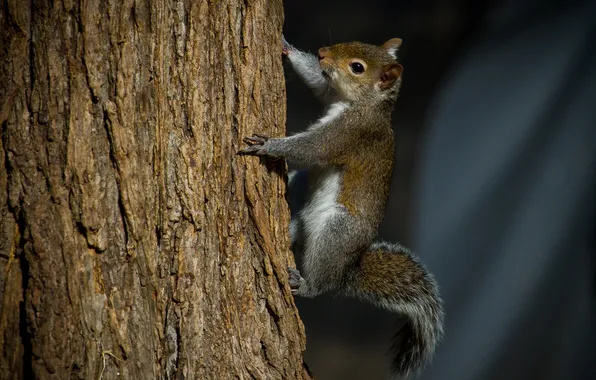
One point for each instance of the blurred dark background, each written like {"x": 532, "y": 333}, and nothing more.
{"x": 493, "y": 183}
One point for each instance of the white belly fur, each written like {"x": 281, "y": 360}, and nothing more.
{"x": 322, "y": 204}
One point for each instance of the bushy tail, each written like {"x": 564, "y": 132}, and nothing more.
{"x": 390, "y": 276}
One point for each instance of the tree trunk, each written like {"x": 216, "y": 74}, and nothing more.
{"x": 134, "y": 242}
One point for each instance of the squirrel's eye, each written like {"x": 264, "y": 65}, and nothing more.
{"x": 357, "y": 67}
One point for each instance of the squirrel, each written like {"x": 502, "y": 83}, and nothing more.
{"x": 350, "y": 153}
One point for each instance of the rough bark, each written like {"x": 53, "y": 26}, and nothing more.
{"x": 134, "y": 243}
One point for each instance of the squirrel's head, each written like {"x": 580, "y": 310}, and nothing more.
{"x": 358, "y": 71}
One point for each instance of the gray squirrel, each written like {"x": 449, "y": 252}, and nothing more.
{"x": 350, "y": 153}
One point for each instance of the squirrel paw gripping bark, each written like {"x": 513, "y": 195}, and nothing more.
{"x": 295, "y": 279}
{"x": 256, "y": 145}
{"x": 285, "y": 46}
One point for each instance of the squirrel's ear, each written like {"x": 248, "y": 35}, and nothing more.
{"x": 390, "y": 74}
{"x": 392, "y": 46}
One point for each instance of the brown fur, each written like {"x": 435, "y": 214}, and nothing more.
{"x": 385, "y": 274}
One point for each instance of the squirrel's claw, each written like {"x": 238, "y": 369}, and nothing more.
{"x": 253, "y": 150}
{"x": 295, "y": 279}
{"x": 256, "y": 139}
{"x": 255, "y": 142}
{"x": 285, "y": 46}
{"x": 261, "y": 136}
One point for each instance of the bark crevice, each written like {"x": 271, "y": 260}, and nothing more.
{"x": 24, "y": 333}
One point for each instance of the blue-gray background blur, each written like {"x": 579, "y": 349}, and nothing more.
{"x": 494, "y": 183}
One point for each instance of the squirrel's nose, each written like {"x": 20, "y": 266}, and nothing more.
{"x": 323, "y": 52}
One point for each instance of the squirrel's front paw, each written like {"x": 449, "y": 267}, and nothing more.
{"x": 296, "y": 280}
{"x": 256, "y": 145}
{"x": 286, "y": 47}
